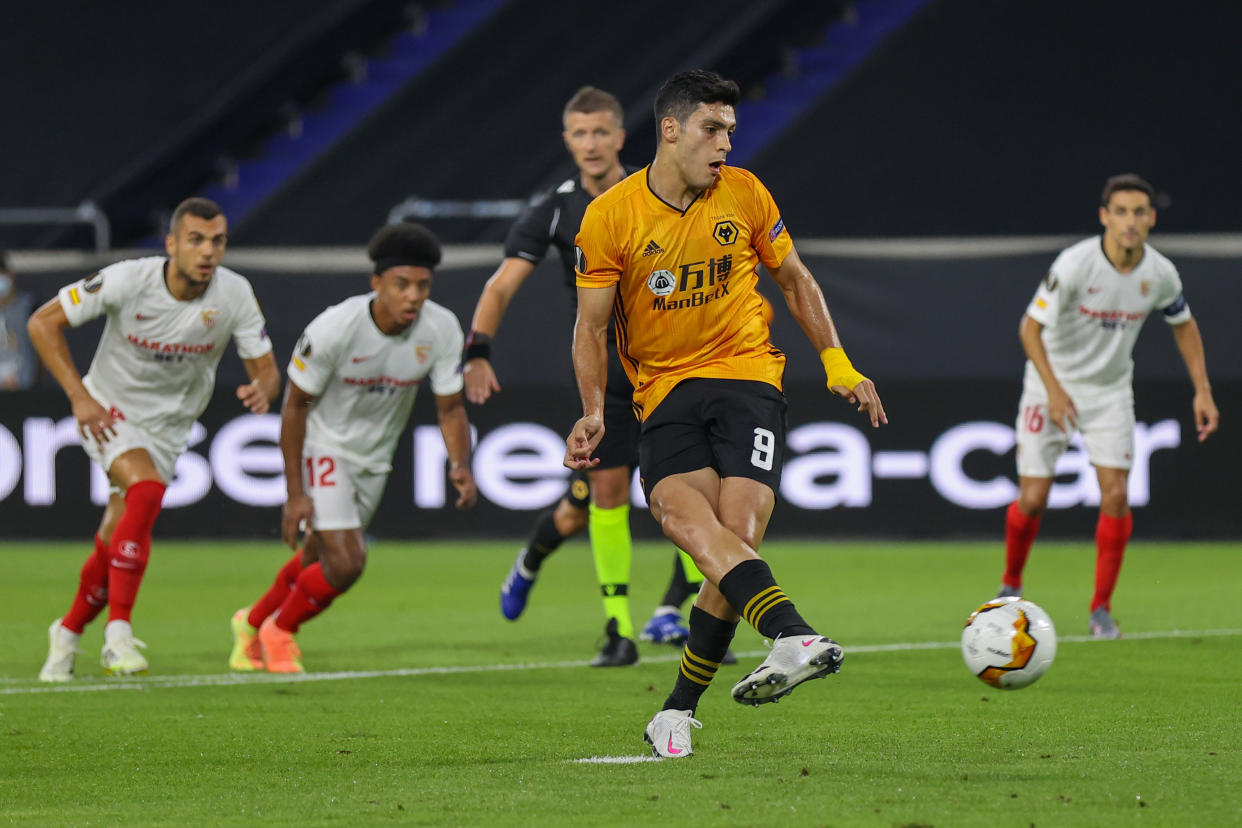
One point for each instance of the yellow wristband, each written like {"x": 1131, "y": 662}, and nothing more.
{"x": 838, "y": 368}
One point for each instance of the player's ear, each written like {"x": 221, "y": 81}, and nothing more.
{"x": 375, "y": 282}
{"x": 1104, "y": 216}
{"x": 670, "y": 129}
{"x": 620, "y": 139}
{"x": 170, "y": 243}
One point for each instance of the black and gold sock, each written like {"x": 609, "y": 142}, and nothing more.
{"x": 709, "y": 641}
{"x": 753, "y": 592}
{"x": 542, "y": 542}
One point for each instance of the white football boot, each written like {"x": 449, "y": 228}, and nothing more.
{"x": 120, "y": 656}
{"x": 668, "y": 733}
{"x": 792, "y": 661}
{"x": 62, "y": 648}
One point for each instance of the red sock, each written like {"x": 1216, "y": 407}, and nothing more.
{"x": 1020, "y": 532}
{"x": 1111, "y": 534}
{"x": 131, "y": 546}
{"x": 311, "y": 595}
{"x": 279, "y": 591}
{"x": 92, "y": 594}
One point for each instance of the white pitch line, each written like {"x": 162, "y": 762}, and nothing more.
{"x": 31, "y": 686}
{"x": 615, "y": 760}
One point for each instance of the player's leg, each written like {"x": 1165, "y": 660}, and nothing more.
{"x": 1022, "y": 520}
{"x": 1039, "y": 444}
{"x": 141, "y": 474}
{"x": 90, "y": 600}
{"x": 552, "y": 528}
{"x": 1108, "y": 434}
{"x": 337, "y": 550}
{"x": 609, "y": 519}
{"x": 341, "y": 559}
{"x": 247, "y": 653}
{"x": 612, "y": 550}
{"x": 1112, "y": 532}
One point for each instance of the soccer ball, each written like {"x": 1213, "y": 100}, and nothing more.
{"x": 1009, "y": 643}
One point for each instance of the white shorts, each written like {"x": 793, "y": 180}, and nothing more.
{"x": 129, "y": 437}
{"x": 345, "y": 495}
{"x": 1106, "y": 425}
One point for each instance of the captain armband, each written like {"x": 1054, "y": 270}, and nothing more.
{"x": 478, "y": 346}
{"x": 838, "y": 369}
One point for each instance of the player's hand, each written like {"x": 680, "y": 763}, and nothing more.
{"x": 93, "y": 419}
{"x": 1061, "y": 410}
{"x": 467, "y": 491}
{"x": 480, "y": 380}
{"x": 1207, "y": 418}
{"x": 295, "y": 520}
{"x": 252, "y": 397}
{"x": 866, "y": 398}
{"x": 582, "y": 441}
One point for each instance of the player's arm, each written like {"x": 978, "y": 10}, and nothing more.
{"x": 296, "y": 515}
{"x": 591, "y": 369}
{"x": 264, "y": 384}
{"x": 46, "y": 327}
{"x": 455, "y": 429}
{"x": 806, "y": 302}
{"x": 1190, "y": 344}
{"x": 1061, "y": 410}
{"x": 477, "y": 370}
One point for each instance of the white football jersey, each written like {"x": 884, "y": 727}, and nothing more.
{"x": 156, "y": 360}
{"x": 366, "y": 380}
{"x": 1092, "y": 314}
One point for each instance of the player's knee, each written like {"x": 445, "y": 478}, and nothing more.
{"x": 1033, "y": 497}
{"x": 1032, "y": 506}
{"x": 1113, "y": 500}
{"x": 570, "y": 519}
{"x": 610, "y": 488}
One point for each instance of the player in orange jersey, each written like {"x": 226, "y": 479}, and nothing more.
{"x": 674, "y": 250}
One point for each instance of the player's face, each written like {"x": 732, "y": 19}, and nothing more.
{"x": 196, "y": 247}
{"x": 704, "y": 142}
{"x": 594, "y": 139}
{"x": 1128, "y": 218}
{"x": 400, "y": 294}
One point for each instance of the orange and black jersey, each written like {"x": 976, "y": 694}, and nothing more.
{"x": 686, "y": 303}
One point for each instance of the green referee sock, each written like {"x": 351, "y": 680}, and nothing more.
{"x": 610, "y": 545}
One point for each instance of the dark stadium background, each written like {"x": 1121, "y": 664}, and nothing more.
{"x": 929, "y": 156}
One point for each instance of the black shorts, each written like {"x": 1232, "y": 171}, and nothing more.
{"x": 620, "y": 444}
{"x": 619, "y": 448}
{"x": 736, "y": 427}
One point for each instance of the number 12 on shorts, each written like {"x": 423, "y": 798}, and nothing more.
{"x": 323, "y": 475}
{"x": 765, "y": 449}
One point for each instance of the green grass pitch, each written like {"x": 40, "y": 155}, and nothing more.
{"x": 424, "y": 707}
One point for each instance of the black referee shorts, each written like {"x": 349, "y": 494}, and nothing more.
{"x": 620, "y": 444}
{"x": 736, "y": 427}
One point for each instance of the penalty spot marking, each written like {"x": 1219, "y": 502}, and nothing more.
{"x": 615, "y": 760}
{"x": 25, "y": 687}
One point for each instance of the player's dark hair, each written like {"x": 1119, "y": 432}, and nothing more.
{"x": 404, "y": 243}
{"x": 196, "y": 206}
{"x": 681, "y": 94}
{"x": 1123, "y": 182}
{"x": 589, "y": 99}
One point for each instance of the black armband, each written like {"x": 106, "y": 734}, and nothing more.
{"x": 478, "y": 346}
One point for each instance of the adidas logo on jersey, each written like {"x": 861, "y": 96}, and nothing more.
{"x": 652, "y": 249}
